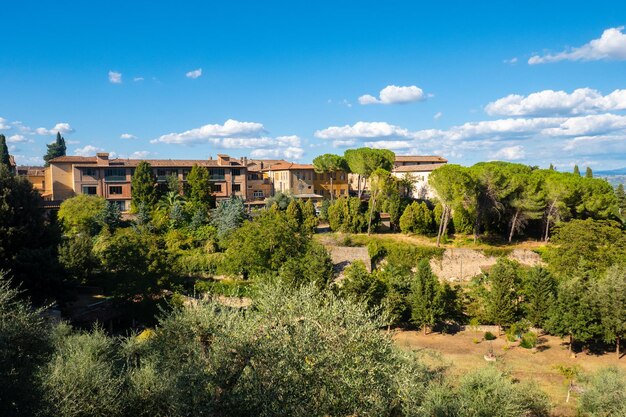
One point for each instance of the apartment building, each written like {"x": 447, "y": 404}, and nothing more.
{"x": 68, "y": 176}
{"x": 36, "y": 176}
{"x": 302, "y": 181}
{"x": 259, "y": 184}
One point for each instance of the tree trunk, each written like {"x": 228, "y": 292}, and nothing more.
{"x": 513, "y": 225}
{"x": 548, "y": 221}
{"x": 617, "y": 346}
{"x": 571, "y": 342}
{"x": 358, "y": 181}
{"x": 440, "y": 231}
{"x": 373, "y": 203}
{"x": 424, "y": 330}
{"x": 331, "y": 186}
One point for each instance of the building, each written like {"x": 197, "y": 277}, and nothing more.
{"x": 36, "y": 176}
{"x": 302, "y": 181}
{"x": 415, "y": 169}
{"x": 259, "y": 184}
{"x": 68, "y": 176}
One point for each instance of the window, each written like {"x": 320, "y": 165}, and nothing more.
{"x": 121, "y": 204}
{"x": 115, "y": 190}
{"x": 91, "y": 190}
{"x": 185, "y": 174}
{"x": 236, "y": 188}
{"x": 258, "y": 194}
{"x": 235, "y": 172}
{"x": 217, "y": 173}
{"x": 217, "y": 188}
{"x": 115, "y": 174}
{"x": 89, "y": 172}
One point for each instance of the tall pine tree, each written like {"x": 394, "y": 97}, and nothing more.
{"x": 143, "y": 187}
{"x": 199, "y": 186}
{"x": 502, "y": 299}
{"x": 4, "y": 152}
{"x": 55, "y": 149}
{"x": 539, "y": 291}
{"x": 621, "y": 199}
{"x": 576, "y": 170}
{"x": 588, "y": 173}
{"x": 426, "y": 308}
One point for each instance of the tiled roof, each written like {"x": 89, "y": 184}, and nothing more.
{"x": 175, "y": 163}
{"x": 259, "y": 164}
{"x": 417, "y": 168}
{"x": 420, "y": 158}
{"x": 286, "y": 166}
{"x": 32, "y": 171}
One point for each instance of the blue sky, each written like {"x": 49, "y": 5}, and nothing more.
{"x": 533, "y": 82}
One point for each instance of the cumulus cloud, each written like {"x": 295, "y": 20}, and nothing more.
{"x": 511, "y": 61}
{"x": 115, "y": 77}
{"x": 550, "y": 102}
{"x": 61, "y": 128}
{"x": 88, "y": 150}
{"x": 230, "y": 129}
{"x": 140, "y": 154}
{"x": 610, "y": 46}
{"x": 127, "y": 136}
{"x": 137, "y": 79}
{"x": 3, "y": 124}
{"x": 389, "y": 144}
{"x": 510, "y": 153}
{"x": 17, "y": 139}
{"x": 289, "y": 153}
{"x": 234, "y": 134}
{"x": 363, "y": 130}
{"x": 194, "y": 74}
{"x": 438, "y": 115}
{"x": 393, "y": 94}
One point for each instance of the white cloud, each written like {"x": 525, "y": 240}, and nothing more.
{"x": 72, "y": 142}
{"x": 61, "y": 128}
{"x": 610, "y": 46}
{"x": 510, "y": 153}
{"x": 28, "y": 160}
{"x": 127, "y": 136}
{"x": 17, "y": 139}
{"x": 136, "y": 79}
{"x": 231, "y": 128}
{"x": 289, "y": 153}
{"x": 3, "y": 125}
{"x": 344, "y": 143}
{"x": 88, "y": 150}
{"x": 511, "y": 61}
{"x": 549, "y": 102}
{"x": 194, "y": 74}
{"x": 140, "y": 154}
{"x": 389, "y": 144}
{"x": 393, "y": 94}
{"x": 438, "y": 115}
{"x": 363, "y": 130}
{"x": 115, "y": 77}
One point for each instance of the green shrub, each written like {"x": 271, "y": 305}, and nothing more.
{"x": 529, "y": 340}
{"x": 497, "y": 252}
{"x": 490, "y": 336}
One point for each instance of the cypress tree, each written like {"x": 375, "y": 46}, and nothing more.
{"x": 55, "y": 149}
{"x": 4, "y": 152}
{"x": 589, "y": 173}
{"x": 576, "y": 170}
{"x": 425, "y": 300}
{"x": 539, "y": 294}
{"x": 502, "y": 298}
{"x": 621, "y": 199}
{"x": 198, "y": 182}
{"x": 143, "y": 186}
{"x": 551, "y": 167}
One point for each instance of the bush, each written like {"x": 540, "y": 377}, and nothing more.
{"x": 417, "y": 218}
{"x": 490, "y": 336}
{"x": 349, "y": 215}
{"x": 529, "y": 340}
{"x": 605, "y": 394}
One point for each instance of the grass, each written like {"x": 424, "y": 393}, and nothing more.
{"x": 525, "y": 365}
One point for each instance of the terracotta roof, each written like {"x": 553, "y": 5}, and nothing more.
{"x": 420, "y": 158}
{"x": 286, "y": 166}
{"x": 175, "y": 163}
{"x": 33, "y": 171}
{"x": 258, "y": 164}
{"x": 417, "y": 168}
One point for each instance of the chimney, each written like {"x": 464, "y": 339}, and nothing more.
{"x": 245, "y": 161}
{"x": 102, "y": 158}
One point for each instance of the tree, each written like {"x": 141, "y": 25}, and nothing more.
{"x": 82, "y": 214}
{"x": 330, "y": 164}
{"x": 228, "y": 216}
{"x": 551, "y": 168}
{"x": 612, "y": 299}
{"x": 199, "y": 184}
{"x": 76, "y": 256}
{"x": 143, "y": 186}
{"x": 4, "y": 152}
{"x": 294, "y": 214}
{"x": 604, "y": 394}
{"x": 588, "y": 173}
{"x": 309, "y": 220}
{"x": 527, "y": 202}
{"x": 539, "y": 290}
{"x": 417, "y": 218}
{"x": 364, "y": 161}
{"x": 426, "y": 309}
{"x": 379, "y": 180}
{"x": 55, "y": 149}
{"x": 574, "y": 313}
{"x": 560, "y": 189}
{"x": 502, "y": 298}
{"x": 576, "y": 170}
{"x": 110, "y": 216}
{"x": 620, "y": 194}
{"x": 348, "y": 215}
{"x": 25, "y": 345}
{"x": 360, "y": 285}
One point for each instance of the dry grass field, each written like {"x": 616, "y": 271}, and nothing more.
{"x": 460, "y": 351}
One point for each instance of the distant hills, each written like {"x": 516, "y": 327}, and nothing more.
{"x": 613, "y": 176}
